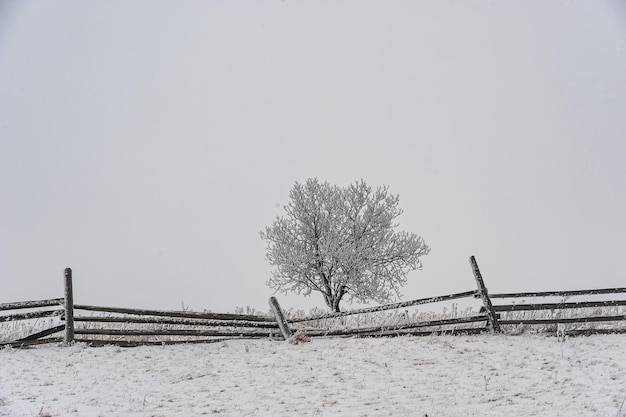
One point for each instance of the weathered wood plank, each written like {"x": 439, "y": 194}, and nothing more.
{"x": 461, "y": 331}
{"x": 397, "y": 328}
{"x": 484, "y": 294}
{"x": 280, "y": 318}
{"x": 565, "y": 320}
{"x": 31, "y": 304}
{"x": 43, "y": 333}
{"x": 385, "y": 307}
{"x": 560, "y": 293}
{"x": 136, "y": 343}
{"x": 587, "y": 332}
{"x": 69, "y": 307}
{"x": 558, "y": 306}
{"x": 177, "y": 321}
{"x": 28, "y": 343}
{"x": 174, "y": 332}
{"x": 31, "y": 315}
{"x": 180, "y": 314}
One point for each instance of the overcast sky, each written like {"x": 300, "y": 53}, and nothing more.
{"x": 146, "y": 143}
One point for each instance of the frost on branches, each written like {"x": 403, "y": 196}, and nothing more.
{"x": 342, "y": 243}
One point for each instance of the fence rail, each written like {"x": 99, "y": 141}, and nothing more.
{"x": 31, "y": 304}
{"x": 181, "y": 314}
{"x": 566, "y": 320}
{"x": 176, "y": 321}
{"x": 559, "y": 306}
{"x": 452, "y": 325}
{"x": 560, "y": 293}
{"x": 573, "y": 317}
{"x": 132, "y": 327}
{"x": 405, "y": 329}
{"x": 31, "y": 315}
{"x": 135, "y": 326}
{"x": 395, "y": 306}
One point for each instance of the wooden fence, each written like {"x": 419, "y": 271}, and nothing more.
{"x": 563, "y": 317}
{"x": 477, "y": 323}
{"x": 131, "y": 327}
{"x": 31, "y": 310}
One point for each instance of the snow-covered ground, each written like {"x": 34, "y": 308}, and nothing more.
{"x": 481, "y": 375}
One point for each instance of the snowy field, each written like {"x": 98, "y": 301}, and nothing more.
{"x": 483, "y": 375}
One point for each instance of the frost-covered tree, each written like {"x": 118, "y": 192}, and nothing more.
{"x": 341, "y": 242}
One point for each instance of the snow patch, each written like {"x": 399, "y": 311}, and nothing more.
{"x": 405, "y": 376}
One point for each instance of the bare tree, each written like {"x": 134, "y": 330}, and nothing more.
{"x": 341, "y": 242}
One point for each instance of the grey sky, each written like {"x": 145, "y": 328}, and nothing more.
{"x": 146, "y": 143}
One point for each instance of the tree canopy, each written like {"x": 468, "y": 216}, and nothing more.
{"x": 341, "y": 242}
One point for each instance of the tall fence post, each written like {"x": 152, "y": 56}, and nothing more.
{"x": 494, "y": 326}
{"x": 69, "y": 308}
{"x": 280, "y": 318}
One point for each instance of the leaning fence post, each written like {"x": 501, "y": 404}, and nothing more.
{"x": 280, "y": 318}
{"x": 494, "y": 326}
{"x": 69, "y": 307}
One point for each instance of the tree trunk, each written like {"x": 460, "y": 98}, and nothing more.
{"x": 332, "y": 302}
{"x": 333, "y": 298}
{"x": 328, "y": 299}
{"x": 336, "y": 301}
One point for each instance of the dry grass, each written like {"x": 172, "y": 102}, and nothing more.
{"x": 563, "y": 314}
{"x": 14, "y": 330}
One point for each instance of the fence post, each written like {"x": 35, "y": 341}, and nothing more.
{"x": 494, "y": 326}
{"x": 280, "y": 318}
{"x": 69, "y": 307}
